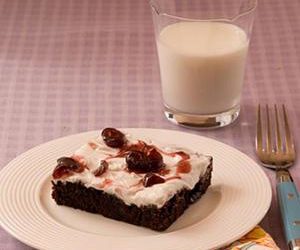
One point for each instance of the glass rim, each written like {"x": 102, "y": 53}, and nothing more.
{"x": 232, "y": 19}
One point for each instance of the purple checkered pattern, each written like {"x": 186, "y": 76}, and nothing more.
{"x": 71, "y": 66}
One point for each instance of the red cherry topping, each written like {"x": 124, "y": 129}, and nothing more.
{"x": 113, "y": 137}
{"x": 144, "y": 162}
{"x": 101, "y": 169}
{"x": 66, "y": 166}
{"x": 137, "y": 161}
{"x": 155, "y": 159}
{"x": 151, "y": 179}
{"x": 183, "y": 167}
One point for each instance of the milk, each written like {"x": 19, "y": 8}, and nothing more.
{"x": 202, "y": 66}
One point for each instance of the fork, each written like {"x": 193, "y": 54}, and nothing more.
{"x": 278, "y": 153}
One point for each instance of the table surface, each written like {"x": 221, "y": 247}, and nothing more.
{"x": 73, "y": 66}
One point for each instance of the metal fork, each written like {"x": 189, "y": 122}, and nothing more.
{"x": 278, "y": 153}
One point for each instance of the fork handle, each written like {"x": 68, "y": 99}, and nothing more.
{"x": 289, "y": 202}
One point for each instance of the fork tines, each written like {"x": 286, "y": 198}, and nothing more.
{"x": 274, "y": 143}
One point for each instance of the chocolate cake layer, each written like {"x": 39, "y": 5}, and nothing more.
{"x": 76, "y": 195}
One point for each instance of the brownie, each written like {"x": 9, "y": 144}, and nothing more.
{"x": 76, "y": 195}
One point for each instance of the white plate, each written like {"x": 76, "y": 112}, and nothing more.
{"x": 237, "y": 200}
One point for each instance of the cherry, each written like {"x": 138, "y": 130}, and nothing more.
{"x": 144, "y": 162}
{"x": 151, "y": 179}
{"x": 137, "y": 161}
{"x": 101, "y": 169}
{"x": 155, "y": 159}
{"x": 113, "y": 137}
{"x": 66, "y": 166}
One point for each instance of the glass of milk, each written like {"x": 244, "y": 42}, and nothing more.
{"x": 202, "y": 47}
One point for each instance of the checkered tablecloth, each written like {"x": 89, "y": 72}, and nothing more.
{"x": 71, "y": 66}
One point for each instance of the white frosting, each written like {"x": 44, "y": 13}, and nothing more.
{"x": 128, "y": 185}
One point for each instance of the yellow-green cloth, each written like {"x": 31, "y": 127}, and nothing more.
{"x": 257, "y": 239}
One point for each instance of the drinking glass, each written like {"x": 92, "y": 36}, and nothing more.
{"x": 202, "y": 47}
